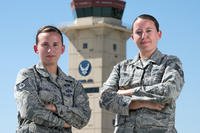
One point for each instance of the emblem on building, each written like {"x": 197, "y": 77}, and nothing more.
{"x": 84, "y": 67}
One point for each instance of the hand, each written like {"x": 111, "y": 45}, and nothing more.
{"x": 51, "y": 107}
{"x": 127, "y": 92}
{"x": 145, "y": 104}
{"x": 153, "y": 106}
{"x": 135, "y": 105}
{"x": 66, "y": 125}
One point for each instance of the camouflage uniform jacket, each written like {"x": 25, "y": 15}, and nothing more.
{"x": 34, "y": 87}
{"x": 159, "y": 80}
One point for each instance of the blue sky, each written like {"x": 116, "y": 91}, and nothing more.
{"x": 179, "y": 21}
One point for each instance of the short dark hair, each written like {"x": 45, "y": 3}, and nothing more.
{"x": 149, "y": 17}
{"x": 48, "y": 28}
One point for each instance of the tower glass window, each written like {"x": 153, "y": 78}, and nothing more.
{"x": 99, "y": 8}
{"x": 99, "y": 12}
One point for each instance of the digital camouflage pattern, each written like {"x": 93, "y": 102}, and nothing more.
{"x": 160, "y": 79}
{"x": 35, "y": 87}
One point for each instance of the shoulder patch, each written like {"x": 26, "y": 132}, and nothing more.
{"x": 21, "y": 85}
{"x": 24, "y": 85}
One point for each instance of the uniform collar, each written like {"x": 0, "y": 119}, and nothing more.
{"x": 43, "y": 71}
{"x": 155, "y": 58}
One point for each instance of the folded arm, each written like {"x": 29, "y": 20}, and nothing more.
{"x": 169, "y": 88}
{"x": 79, "y": 114}
{"x": 110, "y": 99}
{"x": 29, "y": 105}
{"x": 137, "y": 104}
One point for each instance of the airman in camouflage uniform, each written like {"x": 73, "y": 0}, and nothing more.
{"x": 142, "y": 92}
{"x": 49, "y": 102}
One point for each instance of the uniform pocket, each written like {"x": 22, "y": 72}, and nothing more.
{"x": 148, "y": 118}
{"x": 33, "y": 128}
{"x": 153, "y": 129}
{"x": 125, "y": 79}
{"x": 23, "y": 129}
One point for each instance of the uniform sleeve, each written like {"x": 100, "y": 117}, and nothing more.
{"x": 77, "y": 116}
{"x": 109, "y": 99}
{"x": 170, "y": 87}
{"x": 29, "y": 105}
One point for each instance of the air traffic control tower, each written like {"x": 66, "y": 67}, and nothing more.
{"x": 97, "y": 42}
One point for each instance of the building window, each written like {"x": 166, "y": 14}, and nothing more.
{"x": 92, "y": 90}
{"x": 114, "y": 47}
{"x": 85, "y": 45}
